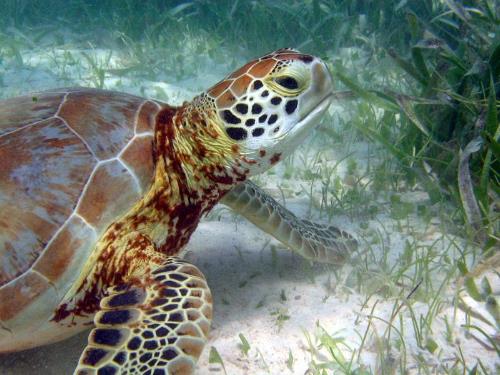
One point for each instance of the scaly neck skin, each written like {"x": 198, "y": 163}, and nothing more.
{"x": 196, "y": 164}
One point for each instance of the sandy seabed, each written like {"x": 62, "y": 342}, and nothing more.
{"x": 249, "y": 286}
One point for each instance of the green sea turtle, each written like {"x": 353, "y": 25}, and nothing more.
{"x": 100, "y": 190}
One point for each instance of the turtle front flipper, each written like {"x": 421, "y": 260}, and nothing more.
{"x": 317, "y": 242}
{"x": 157, "y": 327}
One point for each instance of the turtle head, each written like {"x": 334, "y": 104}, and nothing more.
{"x": 269, "y": 105}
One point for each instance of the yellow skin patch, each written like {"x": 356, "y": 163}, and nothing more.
{"x": 201, "y": 145}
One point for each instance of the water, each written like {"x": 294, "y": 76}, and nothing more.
{"x": 399, "y": 303}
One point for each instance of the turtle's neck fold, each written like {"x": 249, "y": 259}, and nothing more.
{"x": 193, "y": 152}
{"x": 196, "y": 164}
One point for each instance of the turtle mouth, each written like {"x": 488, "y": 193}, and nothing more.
{"x": 314, "y": 115}
{"x": 319, "y": 109}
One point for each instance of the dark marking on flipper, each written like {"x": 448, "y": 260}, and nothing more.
{"x": 117, "y": 316}
{"x": 93, "y": 356}
{"x": 109, "y": 336}
{"x": 160, "y": 328}
{"x": 107, "y": 370}
{"x": 128, "y": 298}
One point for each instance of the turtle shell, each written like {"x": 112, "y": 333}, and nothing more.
{"x": 71, "y": 162}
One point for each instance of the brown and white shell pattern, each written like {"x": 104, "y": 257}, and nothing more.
{"x": 71, "y": 161}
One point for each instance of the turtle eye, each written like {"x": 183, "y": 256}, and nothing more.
{"x": 287, "y": 82}
{"x": 290, "y": 81}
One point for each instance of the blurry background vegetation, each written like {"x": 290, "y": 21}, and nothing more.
{"x": 435, "y": 109}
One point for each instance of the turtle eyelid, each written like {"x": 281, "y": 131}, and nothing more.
{"x": 287, "y": 82}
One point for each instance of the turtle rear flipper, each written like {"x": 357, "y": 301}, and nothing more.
{"x": 159, "y": 327}
{"x": 317, "y": 242}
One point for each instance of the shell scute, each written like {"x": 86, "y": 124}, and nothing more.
{"x": 34, "y": 108}
{"x": 110, "y": 190}
{"x": 146, "y": 117}
{"x": 104, "y": 120}
{"x": 68, "y": 248}
{"x": 139, "y": 158}
{"x": 24, "y": 294}
{"x": 43, "y": 171}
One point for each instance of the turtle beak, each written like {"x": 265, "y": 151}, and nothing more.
{"x": 319, "y": 94}
{"x": 322, "y": 80}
